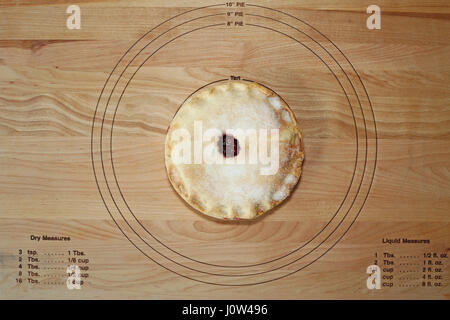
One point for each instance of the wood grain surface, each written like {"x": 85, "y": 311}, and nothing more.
{"x": 376, "y": 122}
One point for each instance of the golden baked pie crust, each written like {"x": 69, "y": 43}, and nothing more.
{"x": 241, "y": 194}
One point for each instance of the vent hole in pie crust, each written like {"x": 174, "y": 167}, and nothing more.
{"x": 228, "y": 146}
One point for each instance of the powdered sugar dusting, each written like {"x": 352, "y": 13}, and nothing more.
{"x": 275, "y": 102}
{"x": 279, "y": 195}
{"x": 286, "y": 116}
{"x": 234, "y": 184}
{"x": 243, "y": 111}
{"x": 290, "y": 178}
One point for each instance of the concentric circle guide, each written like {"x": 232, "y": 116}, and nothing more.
{"x": 213, "y": 17}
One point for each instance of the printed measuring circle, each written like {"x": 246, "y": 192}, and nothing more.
{"x": 275, "y": 259}
{"x": 111, "y": 149}
{"x": 227, "y": 266}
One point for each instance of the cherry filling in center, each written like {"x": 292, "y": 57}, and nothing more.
{"x": 228, "y": 146}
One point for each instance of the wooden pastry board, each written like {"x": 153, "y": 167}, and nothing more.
{"x": 373, "y": 106}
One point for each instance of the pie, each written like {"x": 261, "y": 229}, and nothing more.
{"x": 234, "y": 150}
